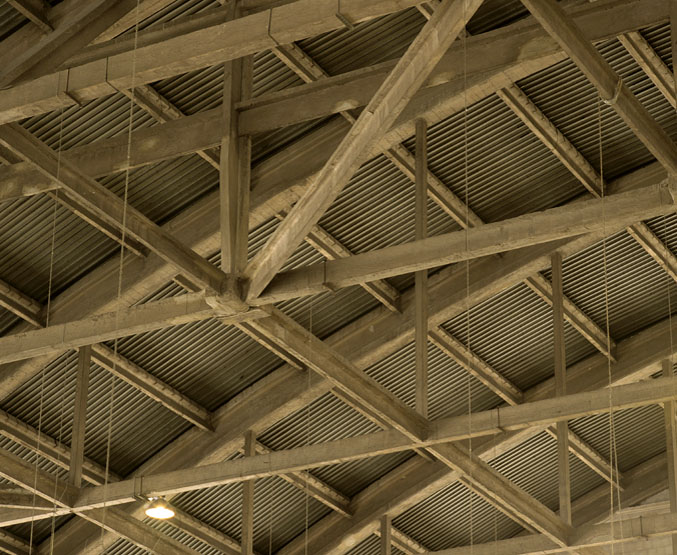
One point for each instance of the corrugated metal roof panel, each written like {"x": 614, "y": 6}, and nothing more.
{"x": 207, "y": 361}
{"x": 658, "y": 38}
{"x": 281, "y": 511}
{"x": 27, "y": 229}
{"x": 512, "y": 332}
{"x": 202, "y": 90}
{"x": 138, "y": 426}
{"x": 453, "y": 517}
{"x": 509, "y": 170}
{"x": 638, "y": 434}
{"x": 569, "y": 100}
{"x": 174, "y": 10}
{"x": 376, "y": 209}
{"x": 38, "y": 530}
{"x": 496, "y": 13}
{"x": 98, "y": 119}
{"x": 10, "y": 20}
{"x": 451, "y": 388}
{"x": 28, "y": 226}
{"x": 328, "y": 419}
{"x": 635, "y": 287}
{"x": 370, "y": 546}
{"x": 532, "y": 466}
{"x": 378, "y": 40}
{"x": 7, "y": 320}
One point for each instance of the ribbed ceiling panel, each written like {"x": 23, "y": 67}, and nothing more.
{"x": 620, "y": 274}
{"x": 490, "y": 157}
{"x": 372, "y": 42}
{"x": 453, "y": 517}
{"x": 281, "y": 511}
{"x": 370, "y": 546}
{"x": 532, "y": 466}
{"x": 10, "y": 19}
{"x": 328, "y": 419}
{"x": 638, "y": 434}
{"x": 138, "y": 426}
{"x": 509, "y": 172}
{"x": 512, "y": 332}
{"x": 571, "y": 103}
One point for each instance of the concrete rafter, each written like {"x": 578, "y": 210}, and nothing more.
{"x": 512, "y": 395}
{"x": 407, "y": 487}
{"x": 533, "y": 417}
{"x": 611, "y": 88}
{"x": 31, "y": 311}
{"x": 111, "y": 208}
{"x": 321, "y": 240}
{"x": 651, "y": 63}
{"x": 159, "y": 391}
{"x": 530, "y": 229}
{"x": 58, "y": 33}
{"x": 299, "y": 391}
{"x": 35, "y": 10}
{"x": 553, "y": 139}
{"x": 488, "y": 69}
{"x": 389, "y": 100}
{"x": 61, "y": 494}
{"x": 104, "y": 327}
{"x": 566, "y": 153}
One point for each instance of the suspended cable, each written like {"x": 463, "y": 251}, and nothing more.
{"x": 113, "y": 379}
{"x": 464, "y": 40}
{"x": 48, "y": 310}
{"x": 307, "y": 473}
{"x": 63, "y": 371}
{"x": 60, "y": 442}
{"x": 613, "y": 452}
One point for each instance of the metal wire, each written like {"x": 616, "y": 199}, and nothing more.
{"x": 113, "y": 379}
{"x": 613, "y": 451}
{"x": 464, "y": 39}
{"x": 47, "y": 319}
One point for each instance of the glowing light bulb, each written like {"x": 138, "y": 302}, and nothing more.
{"x": 159, "y": 509}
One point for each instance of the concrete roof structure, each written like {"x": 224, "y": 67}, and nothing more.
{"x": 338, "y": 277}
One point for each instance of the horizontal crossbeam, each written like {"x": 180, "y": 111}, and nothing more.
{"x": 530, "y": 229}
{"x": 446, "y": 430}
{"x": 104, "y": 327}
{"x": 595, "y": 535}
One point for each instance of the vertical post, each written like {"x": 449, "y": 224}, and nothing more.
{"x": 673, "y": 38}
{"x": 421, "y": 277}
{"x": 235, "y": 164}
{"x": 80, "y": 416}
{"x": 673, "y": 41}
{"x": 386, "y": 536}
{"x": 248, "y": 499}
{"x": 561, "y": 389}
{"x": 671, "y": 448}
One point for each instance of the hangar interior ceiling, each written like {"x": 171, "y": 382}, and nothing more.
{"x": 338, "y": 276}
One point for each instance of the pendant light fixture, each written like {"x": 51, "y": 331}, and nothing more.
{"x": 159, "y": 509}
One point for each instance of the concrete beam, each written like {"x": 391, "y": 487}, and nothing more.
{"x": 104, "y": 327}
{"x": 388, "y": 102}
{"x": 530, "y": 229}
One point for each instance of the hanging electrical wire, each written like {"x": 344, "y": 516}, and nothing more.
{"x": 613, "y": 456}
{"x": 62, "y": 403}
{"x": 48, "y": 310}
{"x": 118, "y": 306}
{"x": 307, "y": 473}
{"x": 464, "y": 39}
